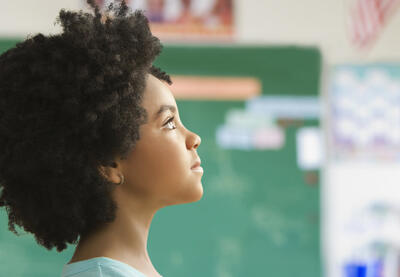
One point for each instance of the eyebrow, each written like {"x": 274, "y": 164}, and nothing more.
{"x": 162, "y": 109}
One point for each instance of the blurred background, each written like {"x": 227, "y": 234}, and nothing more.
{"x": 298, "y": 107}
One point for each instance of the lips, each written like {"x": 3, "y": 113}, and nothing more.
{"x": 196, "y": 164}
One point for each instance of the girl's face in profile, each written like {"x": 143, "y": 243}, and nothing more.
{"x": 159, "y": 168}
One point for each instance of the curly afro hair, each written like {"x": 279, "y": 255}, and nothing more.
{"x": 70, "y": 103}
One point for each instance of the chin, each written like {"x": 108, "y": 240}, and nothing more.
{"x": 199, "y": 194}
{"x": 195, "y": 194}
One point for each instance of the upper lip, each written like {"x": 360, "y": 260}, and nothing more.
{"x": 196, "y": 164}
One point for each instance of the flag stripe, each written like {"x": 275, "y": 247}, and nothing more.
{"x": 362, "y": 26}
{"x": 378, "y": 9}
{"x": 373, "y": 15}
{"x": 367, "y": 17}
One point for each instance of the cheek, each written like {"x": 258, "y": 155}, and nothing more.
{"x": 161, "y": 165}
{"x": 171, "y": 161}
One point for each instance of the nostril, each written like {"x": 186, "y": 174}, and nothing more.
{"x": 198, "y": 141}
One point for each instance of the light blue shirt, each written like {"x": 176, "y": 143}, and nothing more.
{"x": 100, "y": 267}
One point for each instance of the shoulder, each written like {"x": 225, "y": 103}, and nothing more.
{"x": 117, "y": 271}
{"x": 101, "y": 271}
{"x": 100, "y": 267}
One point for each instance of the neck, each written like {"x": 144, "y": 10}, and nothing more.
{"x": 124, "y": 239}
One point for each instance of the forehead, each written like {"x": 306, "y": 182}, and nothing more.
{"x": 156, "y": 94}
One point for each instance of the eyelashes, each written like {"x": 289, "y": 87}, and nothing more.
{"x": 169, "y": 121}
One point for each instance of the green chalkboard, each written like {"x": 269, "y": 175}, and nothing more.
{"x": 258, "y": 217}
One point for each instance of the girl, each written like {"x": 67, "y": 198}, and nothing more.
{"x": 93, "y": 145}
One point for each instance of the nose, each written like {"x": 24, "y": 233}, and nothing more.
{"x": 193, "y": 140}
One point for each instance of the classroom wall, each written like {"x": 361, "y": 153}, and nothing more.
{"x": 312, "y": 22}
{"x": 307, "y": 22}
{"x": 284, "y": 22}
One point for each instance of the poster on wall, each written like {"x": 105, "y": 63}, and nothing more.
{"x": 186, "y": 20}
{"x": 361, "y": 199}
{"x": 365, "y": 113}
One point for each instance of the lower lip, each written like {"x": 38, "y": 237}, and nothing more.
{"x": 197, "y": 169}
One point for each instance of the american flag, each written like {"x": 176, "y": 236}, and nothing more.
{"x": 367, "y": 18}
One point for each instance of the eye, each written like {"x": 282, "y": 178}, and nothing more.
{"x": 170, "y": 121}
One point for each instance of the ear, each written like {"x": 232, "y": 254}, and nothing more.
{"x": 111, "y": 173}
